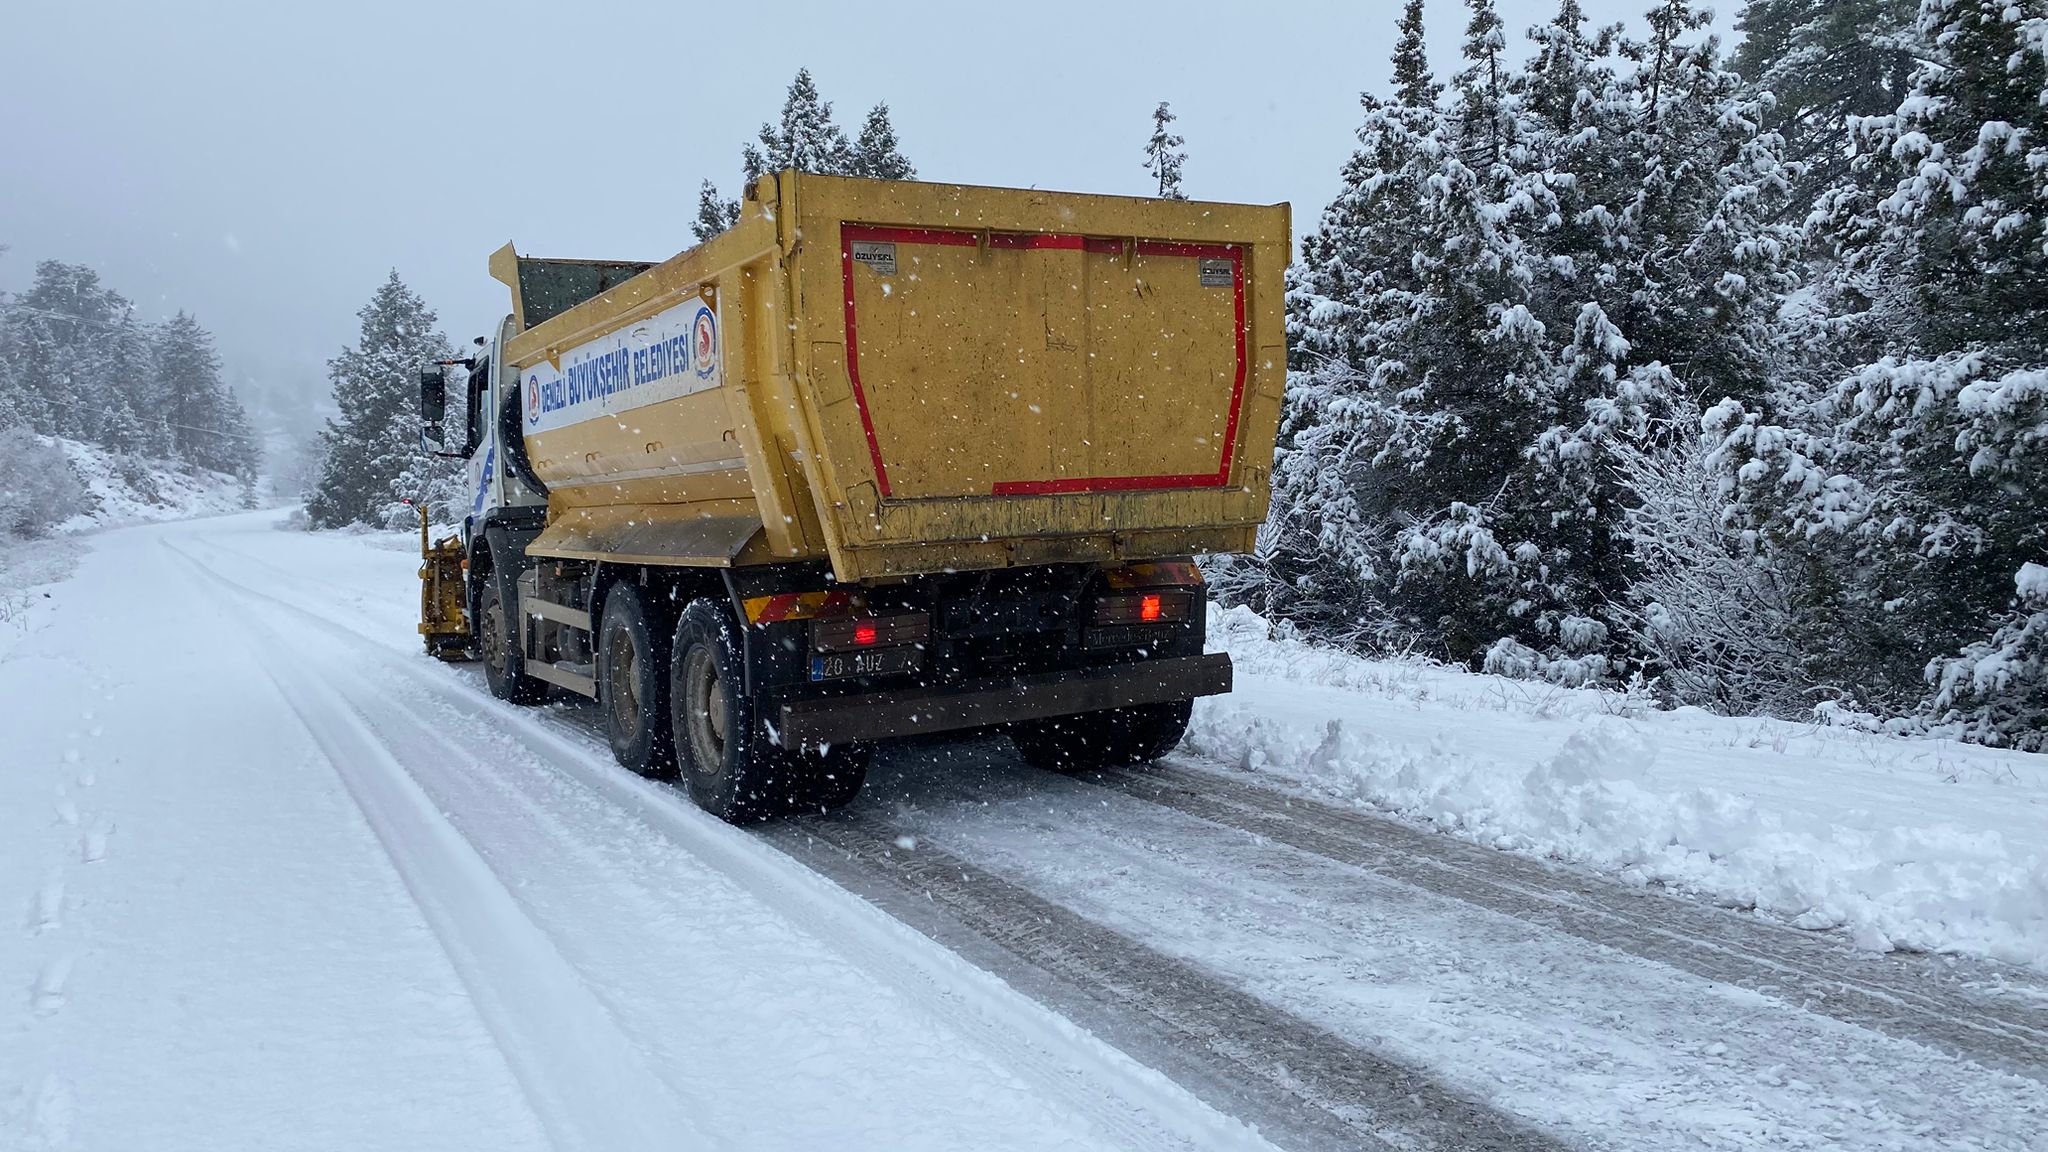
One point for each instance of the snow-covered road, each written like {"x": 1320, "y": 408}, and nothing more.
{"x": 286, "y": 882}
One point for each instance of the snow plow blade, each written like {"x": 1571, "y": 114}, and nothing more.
{"x": 444, "y": 617}
{"x": 907, "y": 712}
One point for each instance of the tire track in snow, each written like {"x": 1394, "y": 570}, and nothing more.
{"x": 1905, "y": 998}
{"x": 1221, "y": 1034}
{"x": 587, "y": 1083}
{"x": 1313, "y": 1087}
{"x": 1140, "y": 1106}
{"x": 1914, "y": 998}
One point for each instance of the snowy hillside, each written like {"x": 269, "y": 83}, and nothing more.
{"x": 129, "y": 490}
{"x": 117, "y": 489}
{"x": 1928, "y": 845}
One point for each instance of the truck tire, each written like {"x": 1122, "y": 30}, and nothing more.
{"x": 1111, "y": 738}
{"x": 504, "y": 662}
{"x": 832, "y": 780}
{"x": 632, "y": 684}
{"x": 728, "y": 763}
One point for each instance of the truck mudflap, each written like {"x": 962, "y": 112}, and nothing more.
{"x": 904, "y": 712}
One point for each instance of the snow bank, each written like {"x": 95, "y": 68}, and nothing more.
{"x": 1925, "y": 845}
{"x": 129, "y": 490}
{"x": 26, "y": 567}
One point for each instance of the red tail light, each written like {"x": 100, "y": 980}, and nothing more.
{"x": 845, "y": 633}
{"x": 1142, "y": 607}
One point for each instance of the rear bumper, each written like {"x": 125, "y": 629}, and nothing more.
{"x": 878, "y": 715}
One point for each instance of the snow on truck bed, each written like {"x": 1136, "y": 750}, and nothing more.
{"x": 1920, "y": 844}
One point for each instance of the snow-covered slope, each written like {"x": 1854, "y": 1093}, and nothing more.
{"x": 119, "y": 490}
{"x": 129, "y": 490}
{"x": 1919, "y": 844}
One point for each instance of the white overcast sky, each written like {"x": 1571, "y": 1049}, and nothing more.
{"x": 264, "y": 163}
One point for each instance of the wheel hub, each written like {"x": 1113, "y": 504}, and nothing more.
{"x": 622, "y": 685}
{"x": 705, "y": 711}
{"x": 495, "y": 648}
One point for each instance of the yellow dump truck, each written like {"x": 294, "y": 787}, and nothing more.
{"x": 883, "y": 458}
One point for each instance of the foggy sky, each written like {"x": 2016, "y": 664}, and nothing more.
{"x": 265, "y": 164}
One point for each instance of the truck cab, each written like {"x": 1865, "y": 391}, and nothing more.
{"x": 499, "y": 492}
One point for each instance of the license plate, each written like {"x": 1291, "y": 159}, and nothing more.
{"x": 880, "y": 662}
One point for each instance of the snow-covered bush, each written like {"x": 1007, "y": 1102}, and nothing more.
{"x": 1996, "y": 691}
{"x": 38, "y": 488}
{"x": 140, "y": 478}
{"x": 1708, "y": 610}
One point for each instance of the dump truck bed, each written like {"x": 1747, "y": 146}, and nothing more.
{"x": 906, "y": 377}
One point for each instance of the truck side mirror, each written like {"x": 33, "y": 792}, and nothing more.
{"x": 433, "y": 402}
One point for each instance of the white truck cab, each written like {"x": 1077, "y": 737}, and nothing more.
{"x": 493, "y": 445}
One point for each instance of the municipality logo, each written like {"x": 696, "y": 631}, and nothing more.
{"x": 533, "y": 399}
{"x": 704, "y": 343}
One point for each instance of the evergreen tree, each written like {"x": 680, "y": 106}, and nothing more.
{"x": 80, "y": 365}
{"x": 1414, "y": 87}
{"x": 1410, "y": 315}
{"x": 53, "y": 338}
{"x": 137, "y": 419}
{"x": 206, "y": 423}
{"x": 1499, "y": 301}
{"x": 877, "y": 154}
{"x": 807, "y": 140}
{"x": 10, "y": 401}
{"x": 1486, "y": 123}
{"x": 1898, "y": 468}
{"x": 372, "y": 457}
{"x": 714, "y": 213}
{"x": 1162, "y": 156}
{"x": 1827, "y": 64}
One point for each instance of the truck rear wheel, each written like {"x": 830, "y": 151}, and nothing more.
{"x": 1110, "y": 738}
{"x": 832, "y": 779}
{"x": 732, "y": 769}
{"x": 633, "y": 680}
{"x": 504, "y": 662}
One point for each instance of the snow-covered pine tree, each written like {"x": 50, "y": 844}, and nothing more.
{"x": 1486, "y": 120}
{"x": 877, "y": 154}
{"x": 140, "y": 421}
{"x": 1663, "y": 255}
{"x": 1163, "y": 157}
{"x": 371, "y": 452}
{"x": 1473, "y": 344}
{"x": 1364, "y": 236}
{"x": 206, "y": 422}
{"x": 1319, "y": 552}
{"x": 1905, "y": 488}
{"x": 1826, "y": 64}
{"x": 10, "y": 414}
{"x": 53, "y": 337}
{"x": 1567, "y": 63}
{"x": 806, "y": 138}
{"x": 1410, "y": 411}
{"x": 714, "y": 213}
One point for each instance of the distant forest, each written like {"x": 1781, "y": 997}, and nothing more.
{"x": 75, "y": 362}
